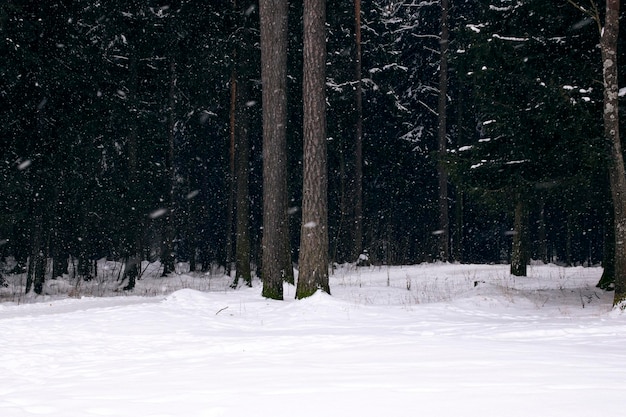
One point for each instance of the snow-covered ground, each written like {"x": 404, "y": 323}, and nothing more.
{"x": 428, "y": 340}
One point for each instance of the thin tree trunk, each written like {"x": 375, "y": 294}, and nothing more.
{"x": 242, "y": 152}
{"x": 607, "y": 280}
{"x": 275, "y": 259}
{"x": 342, "y": 236}
{"x": 37, "y": 260}
{"x": 58, "y": 249}
{"x": 83, "y": 268}
{"x": 39, "y": 229}
{"x": 568, "y": 240}
{"x": 617, "y": 173}
{"x": 133, "y": 257}
{"x": 313, "y": 263}
{"x": 192, "y": 259}
{"x": 457, "y": 238}
{"x": 519, "y": 255}
{"x": 457, "y": 247}
{"x": 40, "y": 249}
{"x": 230, "y": 215}
{"x": 444, "y": 222}
{"x": 167, "y": 251}
{"x": 358, "y": 152}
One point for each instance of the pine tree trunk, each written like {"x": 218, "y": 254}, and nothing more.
{"x": 444, "y": 222}
{"x": 230, "y": 209}
{"x": 37, "y": 260}
{"x": 457, "y": 247}
{"x": 39, "y": 226}
{"x": 343, "y": 250}
{"x": 358, "y": 152}
{"x": 39, "y": 244}
{"x": 617, "y": 173}
{"x": 519, "y": 255}
{"x": 167, "y": 246}
{"x": 242, "y": 152}
{"x": 58, "y": 245}
{"x": 275, "y": 262}
{"x": 313, "y": 262}
{"x": 192, "y": 259}
{"x": 40, "y": 273}
{"x": 133, "y": 256}
{"x": 568, "y": 240}
{"x": 607, "y": 280}
{"x": 457, "y": 238}
{"x": 84, "y": 268}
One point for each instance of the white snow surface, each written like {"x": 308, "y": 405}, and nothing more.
{"x": 427, "y": 340}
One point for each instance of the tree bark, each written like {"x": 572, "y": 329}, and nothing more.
{"x": 617, "y": 173}
{"x": 459, "y": 207}
{"x": 519, "y": 255}
{"x": 58, "y": 240}
{"x": 607, "y": 280}
{"x": 457, "y": 238}
{"x": 132, "y": 268}
{"x": 275, "y": 262}
{"x": 83, "y": 269}
{"x": 230, "y": 209}
{"x": 313, "y": 262}
{"x": 358, "y": 152}
{"x": 37, "y": 261}
{"x": 242, "y": 152}
{"x": 444, "y": 222}
{"x": 167, "y": 246}
{"x": 569, "y": 232}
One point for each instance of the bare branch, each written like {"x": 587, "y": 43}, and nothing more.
{"x": 594, "y": 13}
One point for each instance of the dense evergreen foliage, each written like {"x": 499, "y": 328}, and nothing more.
{"x": 116, "y": 121}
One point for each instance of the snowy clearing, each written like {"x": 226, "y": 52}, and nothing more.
{"x": 433, "y": 340}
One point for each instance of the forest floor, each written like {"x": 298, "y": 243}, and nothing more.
{"x": 432, "y": 340}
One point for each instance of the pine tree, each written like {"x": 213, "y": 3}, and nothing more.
{"x": 527, "y": 111}
{"x": 617, "y": 172}
{"x": 313, "y": 262}
{"x": 442, "y": 137}
{"x": 276, "y": 265}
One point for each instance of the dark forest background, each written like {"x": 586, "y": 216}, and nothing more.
{"x": 119, "y": 132}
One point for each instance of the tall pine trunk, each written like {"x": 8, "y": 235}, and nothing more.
{"x": 167, "y": 246}
{"x": 132, "y": 267}
{"x": 444, "y": 222}
{"x": 358, "y": 152}
{"x": 275, "y": 259}
{"x": 617, "y": 173}
{"x": 313, "y": 262}
{"x": 39, "y": 226}
{"x": 242, "y": 205}
{"x": 230, "y": 209}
